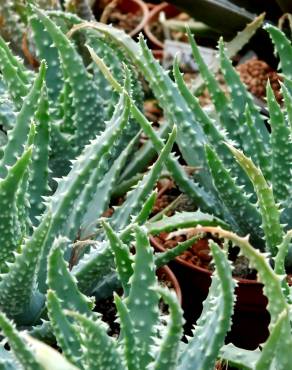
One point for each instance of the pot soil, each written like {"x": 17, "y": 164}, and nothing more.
{"x": 255, "y": 74}
{"x": 194, "y": 274}
{"x": 129, "y": 15}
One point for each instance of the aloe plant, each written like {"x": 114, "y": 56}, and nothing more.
{"x": 39, "y": 138}
{"x": 274, "y": 354}
{"x": 70, "y": 105}
{"x": 145, "y": 340}
{"x": 30, "y": 149}
{"x": 14, "y": 20}
{"x": 228, "y": 184}
{"x": 47, "y": 125}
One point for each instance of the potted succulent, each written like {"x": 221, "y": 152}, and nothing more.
{"x": 150, "y": 337}
{"x": 250, "y": 307}
{"x": 214, "y": 190}
{"x": 141, "y": 322}
{"x": 36, "y": 286}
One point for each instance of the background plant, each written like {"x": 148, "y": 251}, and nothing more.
{"x": 202, "y": 139}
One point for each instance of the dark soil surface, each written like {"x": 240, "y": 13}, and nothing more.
{"x": 255, "y": 74}
{"x": 199, "y": 255}
{"x": 108, "y": 311}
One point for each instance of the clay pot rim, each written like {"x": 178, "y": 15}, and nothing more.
{"x": 172, "y": 278}
{"x": 145, "y": 15}
{"x": 159, "y": 246}
{"x": 158, "y": 54}
{"x": 152, "y": 15}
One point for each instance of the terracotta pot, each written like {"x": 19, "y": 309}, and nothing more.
{"x": 134, "y": 7}
{"x": 166, "y": 273}
{"x": 158, "y": 54}
{"x": 169, "y": 10}
{"x": 250, "y": 319}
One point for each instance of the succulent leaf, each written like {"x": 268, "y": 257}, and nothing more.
{"x": 38, "y": 170}
{"x": 68, "y": 337}
{"x": 100, "y": 350}
{"x": 239, "y": 358}
{"x": 142, "y": 301}
{"x": 87, "y": 102}
{"x": 270, "y": 214}
{"x": 240, "y": 99}
{"x": 283, "y": 48}
{"x": 169, "y": 348}
{"x": 288, "y": 104}
{"x": 23, "y": 73}
{"x": 15, "y": 85}
{"x": 45, "y": 51}
{"x": 9, "y": 186}
{"x": 104, "y": 190}
{"x": 245, "y": 213}
{"x": 18, "y": 292}
{"x": 88, "y": 169}
{"x": 274, "y": 344}
{"x": 164, "y": 258}
{"x": 63, "y": 283}
{"x": 103, "y": 171}
{"x": 128, "y": 330}
{"x": 123, "y": 260}
{"x": 19, "y": 134}
{"x": 182, "y": 220}
{"x": 48, "y": 357}
{"x": 7, "y": 111}
{"x": 257, "y": 152}
{"x": 281, "y": 147}
{"x": 221, "y": 103}
{"x": 20, "y": 349}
